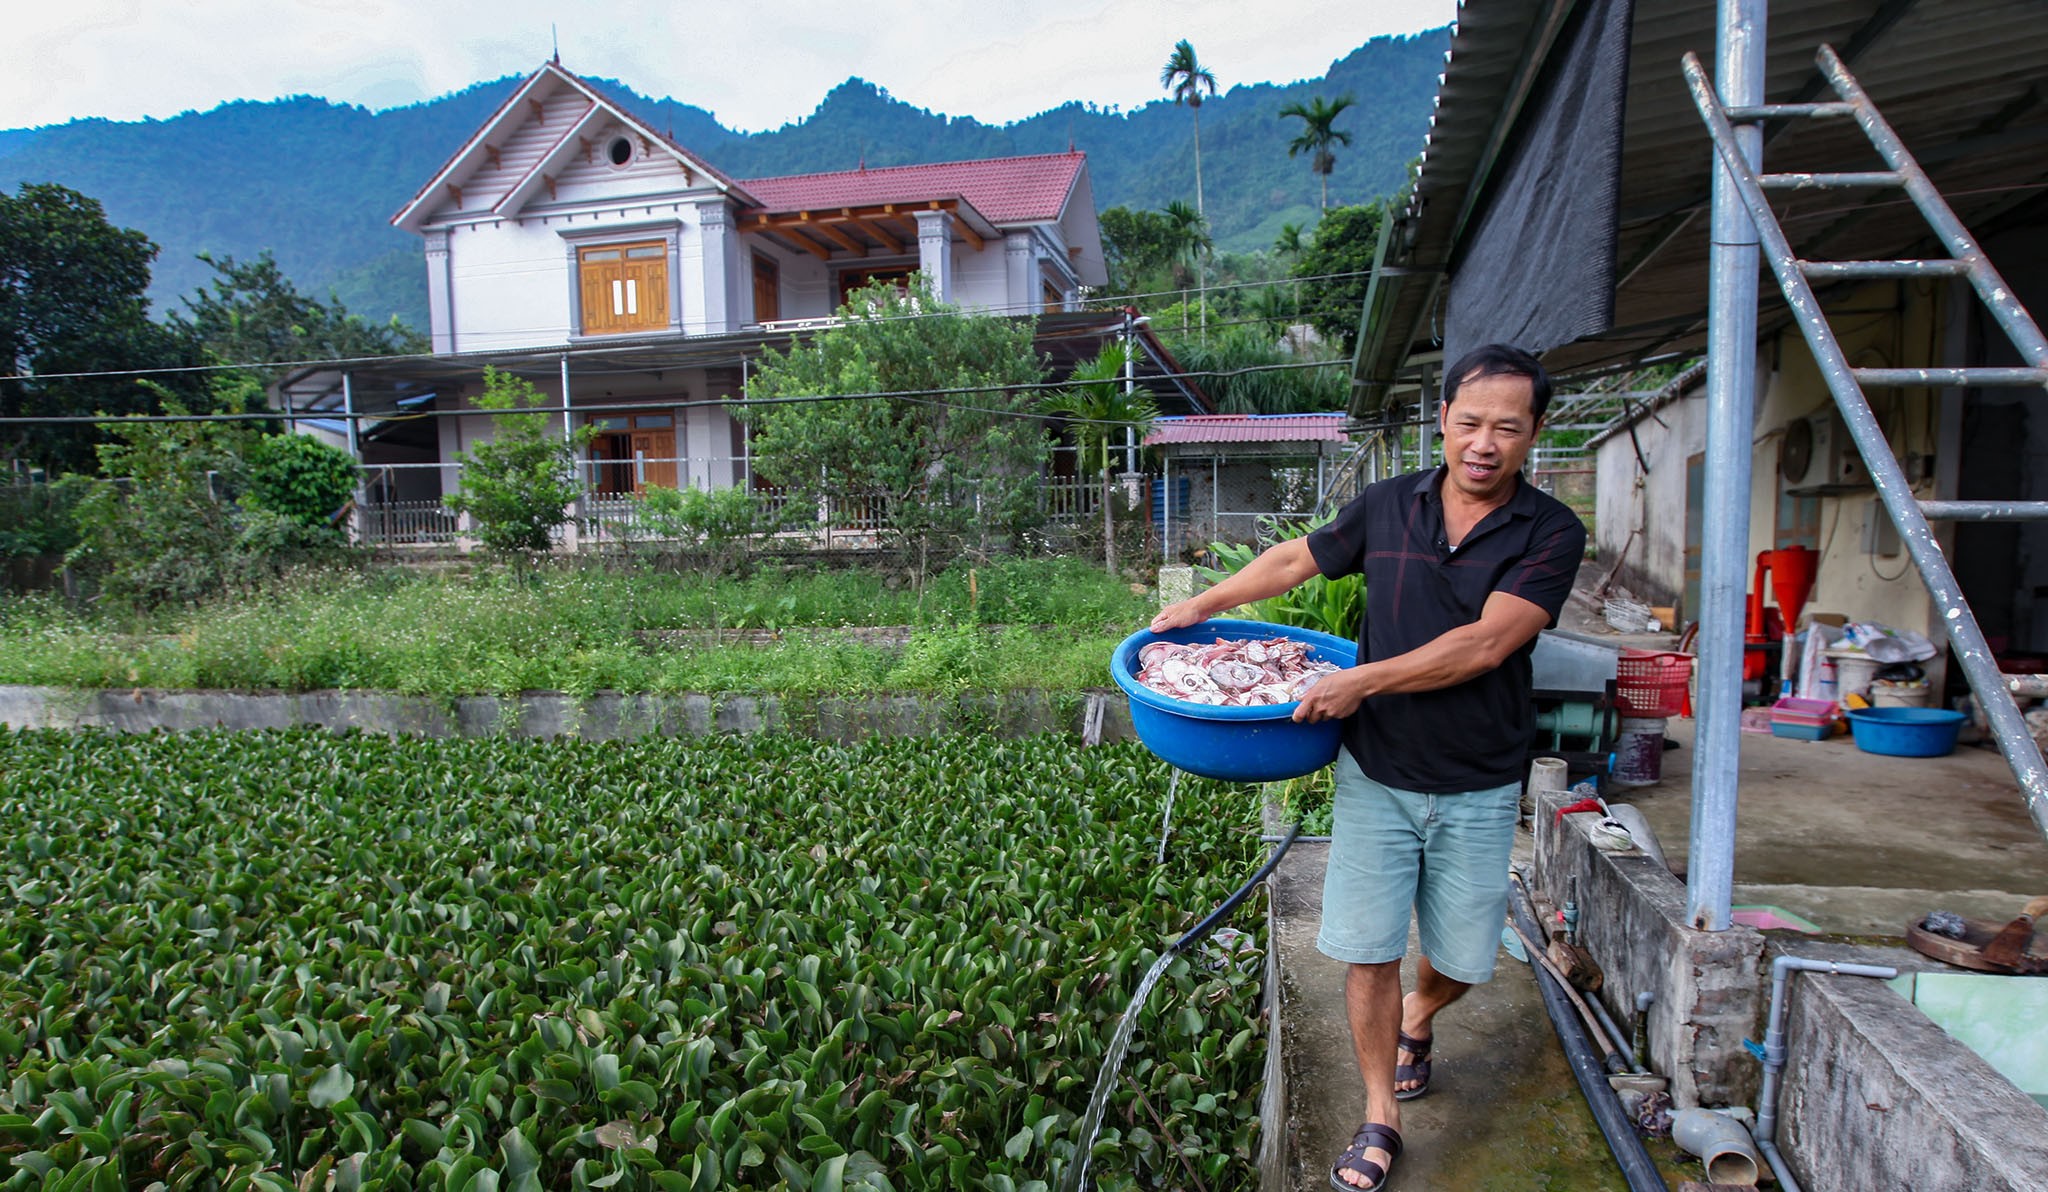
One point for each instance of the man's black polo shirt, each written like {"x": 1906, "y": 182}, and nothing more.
{"x": 1475, "y": 735}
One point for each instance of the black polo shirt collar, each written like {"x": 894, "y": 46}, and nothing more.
{"x": 1428, "y": 488}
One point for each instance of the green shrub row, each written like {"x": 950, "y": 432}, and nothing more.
{"x": 584, "y": 630}
{"x": 299, "y": 960}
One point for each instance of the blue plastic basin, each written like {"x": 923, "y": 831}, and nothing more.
{"x": 1905, "y": 732}
{"x": 1260, "y": 744}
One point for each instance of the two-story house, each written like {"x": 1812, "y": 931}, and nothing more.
{"x": 571, "y": 242}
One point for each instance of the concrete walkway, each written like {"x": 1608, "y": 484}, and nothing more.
{"x": 1861, "y": 844}
{"x": 1503, "y": 1112}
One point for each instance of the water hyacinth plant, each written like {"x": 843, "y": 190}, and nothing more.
{"x": 302, "y": 961}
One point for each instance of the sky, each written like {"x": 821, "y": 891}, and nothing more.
{"x": 754, "y": 66}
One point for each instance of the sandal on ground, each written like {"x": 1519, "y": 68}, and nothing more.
{"x": 1419, "y": 1070}
{"x": 1369, "y": 1136}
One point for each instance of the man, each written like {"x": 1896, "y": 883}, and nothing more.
{"x": 1464, "y": 565}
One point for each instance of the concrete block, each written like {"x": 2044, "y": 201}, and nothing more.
{"x": 1632, "y": 919}
{"x": 1875, "y": 1095}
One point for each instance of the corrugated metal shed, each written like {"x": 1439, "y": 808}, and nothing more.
{"x": 1962, "y": 81}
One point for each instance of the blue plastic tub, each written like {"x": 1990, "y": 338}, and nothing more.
{"x": 1235, "y": 744}
{"x": 1905, "y": 732}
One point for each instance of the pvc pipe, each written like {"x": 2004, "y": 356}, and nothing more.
{"x": 1614, "y": 1033}
{"x": 1636, "y": 1166}
{"x": 1721, "y": 1143}
{"x": 1774, "y": 1048}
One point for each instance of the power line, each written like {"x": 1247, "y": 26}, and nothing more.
{"x": 1111, "y": 301}
{"x": 913, "y": 396}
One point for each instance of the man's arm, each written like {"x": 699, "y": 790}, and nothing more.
{"x": 1277, "y": 569}
{"x": 1506, "y": 623}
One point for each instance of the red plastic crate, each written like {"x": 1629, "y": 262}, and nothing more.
{"x": 1651, "y": 683}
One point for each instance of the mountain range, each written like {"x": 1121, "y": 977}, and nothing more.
{"x": 316, "y": 182}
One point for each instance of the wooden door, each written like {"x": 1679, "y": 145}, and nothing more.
{"x": 654, "y": 459}
{"x": 767, "y": 290}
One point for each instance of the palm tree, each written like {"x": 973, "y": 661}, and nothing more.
{"x": 1099, "y": 404}
{"x": 1289, "y": 243}
{"x": 1190, "y": 236}
{"x": 1317, "y": 138}
{"x": 1186, "y": 79}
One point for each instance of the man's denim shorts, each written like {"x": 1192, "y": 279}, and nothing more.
{"x": 1447, "y": 856}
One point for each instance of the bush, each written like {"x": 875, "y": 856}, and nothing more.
{"x": 1330, "y": 605}
{"x": 714, "y": 528}
{"x": 517, "y": 488}
{"x": 301, "y": 479}
{"x": 41, "y": 519}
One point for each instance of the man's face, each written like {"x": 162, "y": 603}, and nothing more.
{"x": 1487, "y": 432}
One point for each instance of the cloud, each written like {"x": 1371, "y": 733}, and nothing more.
{"x": 754, "y": 67}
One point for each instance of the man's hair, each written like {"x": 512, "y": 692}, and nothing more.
{"x": 1500, "y": 360}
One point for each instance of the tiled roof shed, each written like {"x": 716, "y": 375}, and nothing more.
{"x": 1273, "y": 429}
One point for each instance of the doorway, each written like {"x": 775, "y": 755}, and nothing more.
{"x": 631, "y": 454}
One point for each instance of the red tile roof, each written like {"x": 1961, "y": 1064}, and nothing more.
{"x": 1247, "y": 428}
{"x": 1005, "y": 190}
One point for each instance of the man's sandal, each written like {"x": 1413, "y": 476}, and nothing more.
{"x": 1369, "y": 1136}
{"x": 1419, "y": 1070}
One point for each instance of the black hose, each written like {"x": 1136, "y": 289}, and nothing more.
{"x": 1636, "y": 1165}
{"x": 1221, "y": 913}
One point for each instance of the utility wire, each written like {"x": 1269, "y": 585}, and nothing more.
{"x": 913, "y": 396}
{"x": 1111, "y": 301}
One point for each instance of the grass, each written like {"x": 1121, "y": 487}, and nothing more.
{"x": 1047, "y": 623}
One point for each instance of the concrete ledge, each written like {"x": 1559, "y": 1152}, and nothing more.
{"x": 1632, "y": 919}
{"x": 1095, "y": 715}
{"x": 1875, "y": 1095}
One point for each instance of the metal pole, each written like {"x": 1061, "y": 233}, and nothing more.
{"x": 348, "y": 411}
{"x": 1425, "y": 446}
{"x": 1731, "y": 401}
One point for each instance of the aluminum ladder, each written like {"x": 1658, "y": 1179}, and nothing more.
{"x": 1965, "y": 260}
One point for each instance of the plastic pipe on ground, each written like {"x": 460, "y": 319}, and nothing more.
{"x": 1194, "y": 936}
{"x": 1721, "y": 1143}
{"x": 1614, "y": 1033}
{"x": 1636, "y": 1166}
{"x": 1774, "y": 1049}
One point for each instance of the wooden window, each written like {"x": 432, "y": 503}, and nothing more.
{"x": 767, "y": 289}
{"x": 624, "y": 287}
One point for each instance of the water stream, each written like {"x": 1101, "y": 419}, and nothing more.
{"x": 1112, "y": 1064}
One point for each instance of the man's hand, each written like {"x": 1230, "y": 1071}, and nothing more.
{"x": 1334, "y": 696}
{"x": 1178, "y": 615}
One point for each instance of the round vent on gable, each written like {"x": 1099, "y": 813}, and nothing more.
{"x": 620, "y": 151}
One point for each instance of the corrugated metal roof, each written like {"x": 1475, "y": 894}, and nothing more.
{"x": 1005, "y": 190}
{"x": 1957, "y": 79}
{"x": 1247, "y": 428}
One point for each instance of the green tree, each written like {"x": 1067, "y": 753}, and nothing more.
{"x": 172, "y": 519}
{"x": 1140, "y": 248}
{"x": 1101, "y": 409}
{"x": 301, "y": 479}
{"x": 1289, "y": 243}
{"x": 71, "y": 301}
{"x": 253, "y": 314}
{"x": 958, "y": 457}
{"x": 1335, "y": 271}
{"x": 1190, "y": 237}
{"x": 1237, "y": 370}
{"x": 518, "y": 487}
{"x": 1318, "y": 137}
{"x": 1188, "y": 81}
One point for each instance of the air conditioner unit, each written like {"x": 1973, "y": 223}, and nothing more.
{"x": 1818, "y": 457}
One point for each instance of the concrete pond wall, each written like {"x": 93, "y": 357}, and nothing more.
{"x": 1092, "y": 715}
{"x": 1874, "y": 1093}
